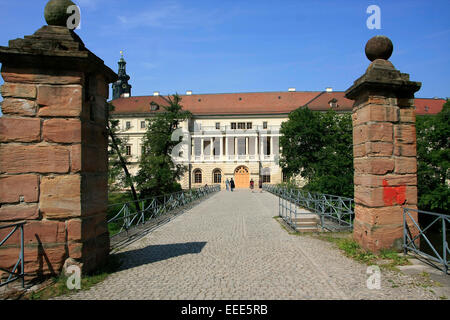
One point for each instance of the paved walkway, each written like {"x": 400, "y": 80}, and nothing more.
{"x": 230, "y": 247}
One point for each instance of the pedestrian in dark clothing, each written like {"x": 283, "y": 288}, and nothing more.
{"x": 260, "y": 185}
{"x": 232, "y": 184}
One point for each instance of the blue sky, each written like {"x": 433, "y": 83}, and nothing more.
{"x": 219, "y": 46}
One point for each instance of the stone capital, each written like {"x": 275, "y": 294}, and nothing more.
{"x": 54, "y": 47}
{"x": 382, "y": 79}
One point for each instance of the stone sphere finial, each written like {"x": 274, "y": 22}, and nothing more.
{"x": 379, "y": 47}
{"x": 55, "y": 12}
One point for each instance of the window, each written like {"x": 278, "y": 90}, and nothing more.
{"x": 233, "y": 125}
{"x": 265, "y": 175}
{"x": 241, "y": 125}
{"x": 197, "y": 176}
{"x": 249, "y": 125}
{"x": 142, "y": 124}
{"x": 218, "y": 125}
{"x": 128, "y": 150}
{"x": 128, "y": 125}
{"x": 217, "y": 176}
{"x": 265, "y": 125}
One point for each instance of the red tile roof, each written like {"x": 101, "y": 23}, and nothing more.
{"x": 257, "y": 103}
{"x": 223, "y": 104}
{"x": 429, "y": 106}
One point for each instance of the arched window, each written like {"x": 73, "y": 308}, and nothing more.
{"x": 217, "y": 174}
{"x": 197, "y": 176}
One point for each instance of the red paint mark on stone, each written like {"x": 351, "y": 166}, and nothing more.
{"x": 393, "y": 194}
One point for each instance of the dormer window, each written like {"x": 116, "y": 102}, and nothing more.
{"x": 153, "y": 106}
{"x": 333, "y": 103}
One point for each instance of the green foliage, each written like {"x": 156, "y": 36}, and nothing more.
{"x": 318, "y": 146}
{"x": 158, "y": 174}
{"x": 59, "y": 284}
{"x": 433, "y": 157}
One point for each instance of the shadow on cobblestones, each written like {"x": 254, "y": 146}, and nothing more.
{"x": 154, "y": 253}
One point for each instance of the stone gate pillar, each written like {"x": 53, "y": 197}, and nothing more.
{"x": 53, "y": 150}
{"x": 384, "y": 149}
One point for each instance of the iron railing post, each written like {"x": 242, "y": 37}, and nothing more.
{"x": 444, "y": 244}
{"x": 22, "y": 257}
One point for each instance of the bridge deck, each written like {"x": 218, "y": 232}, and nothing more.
{"x": 230, "y": 247}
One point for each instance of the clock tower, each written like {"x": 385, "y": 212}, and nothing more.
{"x": 121, "y": 88}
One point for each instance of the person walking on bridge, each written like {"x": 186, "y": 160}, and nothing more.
{"x": 232, "y": 185}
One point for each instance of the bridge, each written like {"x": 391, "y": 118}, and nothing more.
{"x": 229, "y": 246}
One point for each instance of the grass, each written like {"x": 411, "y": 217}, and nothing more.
{"x": 387, "y": 258}
{"x": 58, "y": 285}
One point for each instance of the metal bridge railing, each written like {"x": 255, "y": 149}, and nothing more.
{"x": 14, "y": 274}
{"x": 412, "y": 231}
{"x": 335, "y": 213}
{"x": 128, "y": 217}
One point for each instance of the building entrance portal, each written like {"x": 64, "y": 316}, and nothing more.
{"x": 242, "y": 177}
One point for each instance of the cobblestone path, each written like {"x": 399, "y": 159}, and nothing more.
{"x": 230, "y": 247}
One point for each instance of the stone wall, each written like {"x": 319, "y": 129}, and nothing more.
{"x": 53, "y": 156}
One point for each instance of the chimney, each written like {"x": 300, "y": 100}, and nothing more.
{"x": 329, "y": 89}
{"x": 291, "y": 90}
{"x": 189, "y": 93}
{"x": 156, "y": 93}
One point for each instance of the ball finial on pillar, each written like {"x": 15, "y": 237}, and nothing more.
{"x": 379, "y": 47}
{"x": 55, "y": 12}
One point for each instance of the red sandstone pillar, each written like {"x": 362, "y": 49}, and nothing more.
{"x": 384, "y": 149}
{"x": 53, "y": 151}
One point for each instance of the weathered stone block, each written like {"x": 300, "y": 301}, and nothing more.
{"x": 37, "y": 76}
{"x": 372, "y": 113}
{"x": 62, "y": 130}
{"x": 19, "y": 212}
{"x": 405, "y": 150}
{"x": 405, "y": 133}
{"x": 407, "y": 115}
{"x": 13, "y": 188}
{"x": 75, "y": 158}
{"x": 391, "y": 179}
{"x": 61, "y": 196}
{"x": 405, "y": 165}
{"x": 21, "y": 107}
{"x": 36, "y": 232}
{"x": 391, "y": 216}
{"x": 60, "y": 101}
{"x": 374, "y": 165}
{"x": 38, "y": 260}
{"x": 20, "y": 130}
{"x": 19, "y": 90}
{"x": 30, "y": 159}
{"x": 373, "y": 132}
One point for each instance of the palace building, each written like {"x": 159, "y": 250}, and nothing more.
{"x": 231, "y": 135}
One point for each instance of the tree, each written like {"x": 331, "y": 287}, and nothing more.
{"x": 118, "y": 174}
{"x": 318, "y": 147}
{"x": 433, "y": 158}
{"x": 158, "y": 174}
